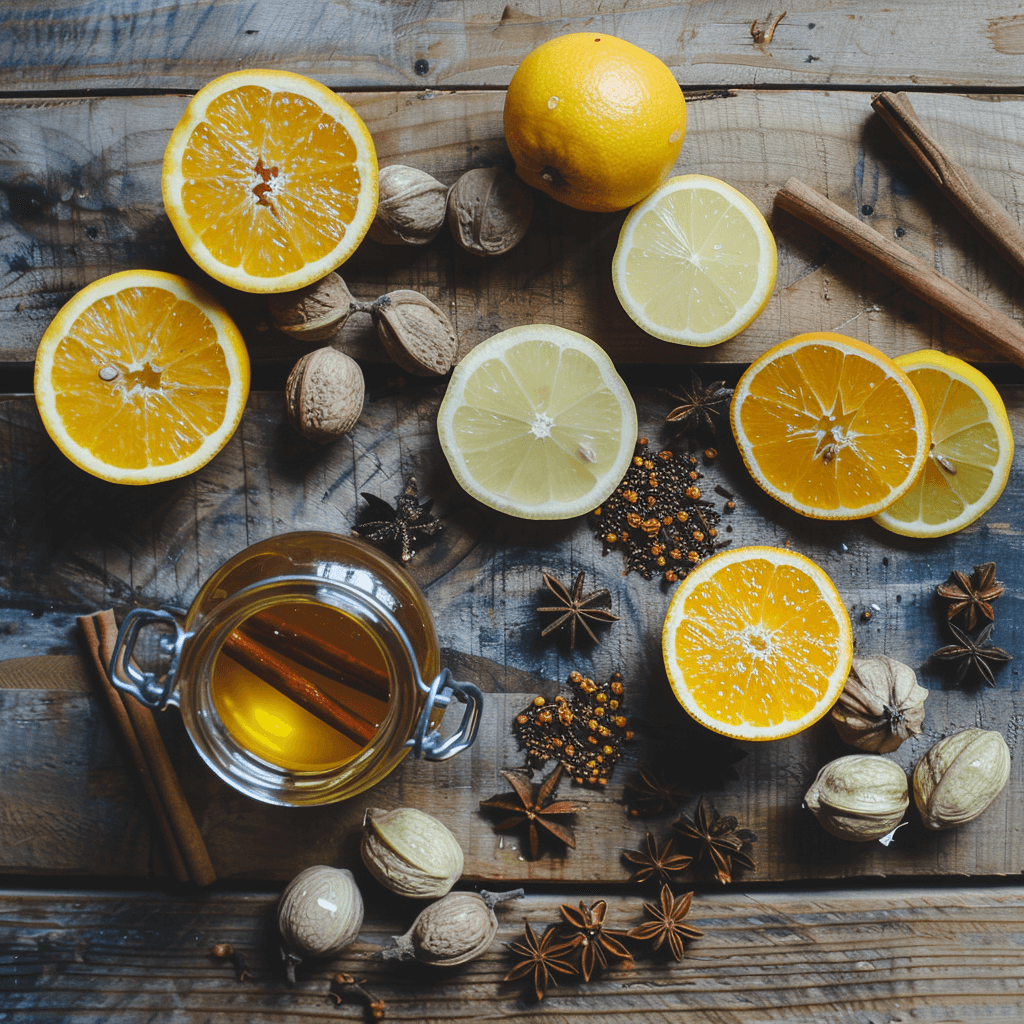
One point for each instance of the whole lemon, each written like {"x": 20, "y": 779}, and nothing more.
{"x": 594, "y": 121}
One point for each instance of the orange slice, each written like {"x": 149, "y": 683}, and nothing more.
{"x": 830, "y": 426}
{"x": 757, "y": 643}
{"x": 141, "y": 377}
{"x": 270, "y": 180}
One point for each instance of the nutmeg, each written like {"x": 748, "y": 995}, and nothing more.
{"x": 415, "y": 333}
{"x": 489, "y": 211}
{"x": 411, "y": 852}
{"x": 859, "y": 797}
{"x": 881, "y": 705}
{"x": 411, "y": 207}
{"x": 324, "y": 394}
{"x": 314, "y": 313}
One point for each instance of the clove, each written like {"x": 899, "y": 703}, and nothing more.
{"x": 345, "y": 984}
{"x": 224, "y": 950}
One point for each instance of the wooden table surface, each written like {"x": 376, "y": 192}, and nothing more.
{"x": 929, "y": 929}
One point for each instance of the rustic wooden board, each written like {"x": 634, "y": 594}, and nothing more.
{"x": 931, "y": 956}
{"x": 370, "y": 44}
{"x": 70, "y": 544}
{"x": 80, "y": 198}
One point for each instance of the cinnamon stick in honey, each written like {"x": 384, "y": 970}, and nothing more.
{"x": 277, "y": 673}
{"x": 1004, "y": 335}
{"x": 983, "y": 210}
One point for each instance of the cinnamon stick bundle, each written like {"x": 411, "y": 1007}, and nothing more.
{"x": 186, "y": 851}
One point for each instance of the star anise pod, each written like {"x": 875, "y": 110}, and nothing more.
{"x": 543, "y": 958}
{"x": 651, "y": 795}
{"x": 717, "y": 839}
{"x": 971, "y": 596}
{"x": 699, "y": 406}
{"x": 531, "y": 803}
{"x": 667, "y": 925}
{"x": 659, "y": 864}
{"x": 401, "y": 527}
{"x": 576, "y": 607}
{"x": 973, "y": 654}
{"x": 587, "y": 930}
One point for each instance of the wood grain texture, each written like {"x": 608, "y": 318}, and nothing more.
{"x": 69, "y": 543}
{"x": 927, "y": 956}
{"x": 359, "y": 44}
{"x": 80, "y": 198}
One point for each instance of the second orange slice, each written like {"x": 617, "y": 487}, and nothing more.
{"x": 830, "y": 426}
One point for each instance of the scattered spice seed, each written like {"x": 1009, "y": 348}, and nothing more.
{"x": 971, "y": 596}
{"x": 657, "y": 517}
{"x": 597, "y": 943}
{"x": 667, "y": 925}
{"x": 343, "y": 985}
{"x": 865, "y": 615}
{"x": 576, "y": 607}
{"x": 224, "y": 950}
{"x": 585, "y": 734}
{"x": 532, "y": 804}
{"x": 973, "y": 655}
{"x": 401, "y": 527}
{"x": 717, "y": 839}
{"x": 699, "y": 406}
{"x": 654, "y": 863}
{"x": 542, "y": 958}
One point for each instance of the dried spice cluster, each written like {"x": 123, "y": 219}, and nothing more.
{"x": 656, "y": 515}
{"x": 584, "y": 734}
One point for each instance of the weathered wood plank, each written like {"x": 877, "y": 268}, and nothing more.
{"x": 80, "y": 198}
{"x": 361, "y": 44}
{"x": 929, "y": 955}
{"x": 70, "y": 543}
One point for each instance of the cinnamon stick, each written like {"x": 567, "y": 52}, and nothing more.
{"x": 982, "y": 209}
{"x": 1004, "y": 335}
{"x": 186, "y": 851}
{"x": 317, "y": 654}
{"x": 276, "y": 673}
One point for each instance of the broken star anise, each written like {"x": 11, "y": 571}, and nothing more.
{"x": 717, "y": 839}
{"x": 699, "y": 406}
{"x": 531, "y": 804}
{"x": 650, "y": 794}
{"x": 576, "y": 607}
{"x": 667, "y": 925}
{"x": 973, "y": 654}
{"x": 971, "y": 596}
{"x": 543, "y": 958}
{"x": 597, "y": 943}
{"x": 659, "y": 864}
{"x": 399, "y": 528}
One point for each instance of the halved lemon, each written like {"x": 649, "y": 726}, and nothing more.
{"x": 971, "y": 452}
{"x": 830, "y": 426}
{"x": 757, "y": 643}
{"x": 537, "y": 423}
{"x": 695, "y": 263}
{"x": 142, "y": 376}
{"x": 270, "y": 180}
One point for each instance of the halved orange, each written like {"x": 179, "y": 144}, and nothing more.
{"x": 830, "y": 426}
{"x": 142, "y": 376}
{"x": 757, "y": 643}
{"x": 270, "y": 180}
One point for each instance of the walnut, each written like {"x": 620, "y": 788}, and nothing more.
{"x": 314, "y": 313}
{"x": 324, "y": 394}
{"x": 411, "y": 207}
{"x": 489, "y": 211}
{"x": 415, "y": 333}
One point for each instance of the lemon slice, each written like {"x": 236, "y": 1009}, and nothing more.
{"x": 537, "y": 423}
{"x": 757, "y": 643}
{"x": 141, "y": 377}
{"x": 695, "y": 263}
{"x": 971, "y": 451}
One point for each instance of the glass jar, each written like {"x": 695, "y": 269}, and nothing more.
{"x": 306, "y": 668}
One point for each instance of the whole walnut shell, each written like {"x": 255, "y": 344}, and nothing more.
{"x": 960, "y": 777}
{"x": 415, "y": 333}
{"x": 859, "y": 797}
{"x": 314, "y": 313}
{"x": 324, "y": 394}
{"x": 489, "y": 211}
{"x": 881, "y": 705}
{"x": 411, "y": 852}
{"x": 411, "y": 207}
